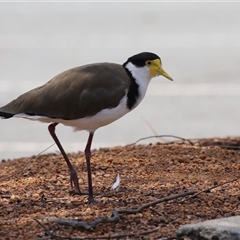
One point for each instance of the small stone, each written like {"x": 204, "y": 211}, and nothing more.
{"x": 220, "y": 229}
{"x": 14, "y": 198}
{"x": 9, "y": 209}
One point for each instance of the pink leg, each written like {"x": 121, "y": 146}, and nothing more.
{"x": 72, "y": 171}
{"x": 88, "y": 158}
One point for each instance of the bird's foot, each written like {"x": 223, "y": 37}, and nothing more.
{"x": 74, "y": 182}
{"x": 73, "y": 192}
{"x": 92, "y": 200}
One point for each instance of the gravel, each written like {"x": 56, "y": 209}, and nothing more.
{"x": 36, "y": 189}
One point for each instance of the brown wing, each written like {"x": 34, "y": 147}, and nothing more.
{"x": 75, "y": 93}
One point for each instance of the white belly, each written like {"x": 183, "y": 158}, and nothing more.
{"x": 104, "y": 117}
{"x": 92, "y": 123}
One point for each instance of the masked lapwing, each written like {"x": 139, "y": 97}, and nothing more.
{"x": 87, "y": 98}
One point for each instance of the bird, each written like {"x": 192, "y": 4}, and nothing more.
{"x": 87, "y": 98}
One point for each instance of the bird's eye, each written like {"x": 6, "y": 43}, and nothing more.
{"x": 148, "y": 63}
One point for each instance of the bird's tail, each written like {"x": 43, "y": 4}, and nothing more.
{"x": 5, "y": 115}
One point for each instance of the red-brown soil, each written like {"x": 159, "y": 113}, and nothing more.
{"x": 36, "y": 188}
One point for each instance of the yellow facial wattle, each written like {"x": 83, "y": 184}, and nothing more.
{"x": 156, "y": 69}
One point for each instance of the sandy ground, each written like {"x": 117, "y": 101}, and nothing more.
{"x": 35, "y": 191}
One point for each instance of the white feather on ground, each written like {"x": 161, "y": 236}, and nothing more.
{"x": 116, "y": 183}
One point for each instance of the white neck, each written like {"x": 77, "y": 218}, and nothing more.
{"x": 142, "y": 77}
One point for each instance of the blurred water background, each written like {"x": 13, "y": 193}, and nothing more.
{"x": 199, "y": 44}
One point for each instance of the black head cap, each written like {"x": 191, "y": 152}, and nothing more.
{"x": 140, "y": 59}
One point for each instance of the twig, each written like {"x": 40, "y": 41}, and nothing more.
{"x": 165, "y": 199}
{"x": 116, "y": 235}
{"x": 159, "y": 136}
{"x": 217, "y": 143}
{"x": 227, "y": 146}
{"x": 115, "y": 213}
{"x": 23, "y": 168}
{"x": 81, "y": 224}
{"x": 46, "y": 230}
{"x": 150, "y": 126}
{"x": 115, "y": 218}
{"x": 211, "y": 188}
